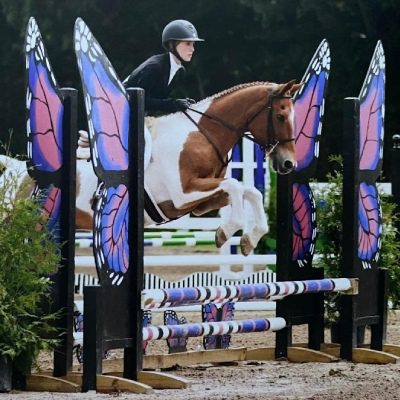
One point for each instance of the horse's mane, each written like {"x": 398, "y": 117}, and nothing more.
{"x": 234, "y": 89}
{"x": 223, "y": 93}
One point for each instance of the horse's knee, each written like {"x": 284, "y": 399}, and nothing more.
{"x": 253, "y": 194}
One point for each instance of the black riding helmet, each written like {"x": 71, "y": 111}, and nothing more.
{"x": 176, "y": 31}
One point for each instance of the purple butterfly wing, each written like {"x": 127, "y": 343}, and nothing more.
{"x": 372, "y": 97}
{"x": 44, "y": 105}
{"x": 108, "y": 113}
{"x": 111, "y": 233}
{"x": 304, "y": 224}
{"x": 175, "y": 345}
{"x": 369, "y": 224}
{"x": 50, "y": 200}
{"x": 309, "y": 107}
{"x": 106, "y": 101}
{"x": 45, "y": 111}
{"x": 227, "y": 313}
{"x": 210, "y": 314}
{"x": 147, "y": 317}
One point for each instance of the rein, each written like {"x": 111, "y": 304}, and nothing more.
{"x": 268, "y": 148}
{"x": 207, "y": 136}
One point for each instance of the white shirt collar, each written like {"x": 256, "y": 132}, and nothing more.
{"x": 174, "y": 67}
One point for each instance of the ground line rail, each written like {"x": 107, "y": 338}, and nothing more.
{"x": 212, "y": 328}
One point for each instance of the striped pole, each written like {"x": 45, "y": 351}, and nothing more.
{"x": 201, "y": 235}
{"x": 191, "y": 260}
{"x": 219, "y": 294}
{"x": 162, "y": 242}
{"x": 212, "y": 328}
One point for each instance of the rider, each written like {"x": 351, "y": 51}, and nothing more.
{"x": 158, "y": 75}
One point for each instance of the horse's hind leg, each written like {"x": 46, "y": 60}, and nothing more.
{"x": 256, "y": 220}
{"x": 233, "y": 221}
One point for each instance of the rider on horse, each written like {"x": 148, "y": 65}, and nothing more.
{"x": 158, "y": 75}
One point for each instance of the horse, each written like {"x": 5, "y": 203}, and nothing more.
{"x": 190, "y": 150}
{"x": 189, "y": 157}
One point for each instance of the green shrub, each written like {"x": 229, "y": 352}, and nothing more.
{"x": 329, "y": 245}
{"x": 27, "y": 255}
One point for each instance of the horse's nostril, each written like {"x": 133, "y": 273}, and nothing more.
{"x": 288, "y": 164}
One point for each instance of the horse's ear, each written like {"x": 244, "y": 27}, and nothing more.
{"x": 291, "y": 87}
{"x": 295, "y": 88}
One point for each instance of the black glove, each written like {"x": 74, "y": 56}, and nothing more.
{"x": 191, "y": 101}
{"x": 182, "y": 104}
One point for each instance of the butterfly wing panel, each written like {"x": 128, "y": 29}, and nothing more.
{"x": 107, "y": 105}
{"x": 309, "y": 107}
{"x": 304, "y": 224}
{"x": 372, "y": 111}
{"x": 45, "y": 112}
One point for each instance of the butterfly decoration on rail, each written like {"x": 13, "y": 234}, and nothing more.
{"x": 45, "y": 112}
{"x": 108, "y": 114}
{"x": 212, "y": 313}
{"x": 309, "y": 104}
{"x": 175, "y": 345}
{"x": 147, "y": 317}
{"x": 371, "y": 134}
{"x": 78, "y": 327}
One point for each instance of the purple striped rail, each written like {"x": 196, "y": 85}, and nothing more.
{"x": 157, "y": 298}
{"x": 212, "y": 328}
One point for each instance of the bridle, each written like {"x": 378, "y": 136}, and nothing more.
{"x": 272, "y": 141}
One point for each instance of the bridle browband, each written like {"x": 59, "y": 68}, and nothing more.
{"x": 272, "y": 141}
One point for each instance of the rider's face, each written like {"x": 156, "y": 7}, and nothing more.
{"x": 185, "y": 49}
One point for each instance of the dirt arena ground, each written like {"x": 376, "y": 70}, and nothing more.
{"x": 262, "y": 380}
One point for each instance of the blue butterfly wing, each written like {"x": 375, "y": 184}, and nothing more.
{"x": 372, "y": 99}
{"x": 147, "y": 317}
{"x": 309, "y": 107}
{"x": 175, "y": 345}
{"x": 108, "y": 113}
{"x": 45, "y": 112}
{"x": 227, "y": 314}
{"x": 304, "y": 224}
{"x": 110, "y": 240}
{"x": 210, "y": 314}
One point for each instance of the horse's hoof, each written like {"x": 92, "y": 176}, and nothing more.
{"x": 245, "y": 245}
{"x": 220, "y": 237}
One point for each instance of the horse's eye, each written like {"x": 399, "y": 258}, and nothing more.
{"x": 280, "y": 117}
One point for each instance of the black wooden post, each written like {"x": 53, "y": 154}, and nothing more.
{"x": 284, "y": 232}
{"x": 351, "y": 127}
{"x": 133, "y": 359}
{"x": 63, "y": 355}
{"x": 93, "y": 337}
{"x": 395, "y": 163}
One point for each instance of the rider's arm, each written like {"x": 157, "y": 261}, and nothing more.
{"x": 146, "y": 80}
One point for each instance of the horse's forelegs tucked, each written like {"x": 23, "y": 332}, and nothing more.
{"x": 256, "y": 220}
{"x": 234, "y": 221}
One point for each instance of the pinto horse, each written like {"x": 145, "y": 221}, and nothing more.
{"x": 189, "y": 156}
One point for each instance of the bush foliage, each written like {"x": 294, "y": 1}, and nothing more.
{"x": 329, "y": 219}
{"x": 27, "y": 256}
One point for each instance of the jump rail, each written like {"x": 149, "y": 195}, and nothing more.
{"x": 220, "y": 294}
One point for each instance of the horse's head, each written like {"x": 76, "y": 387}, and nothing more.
{"x": 274, "y": 129}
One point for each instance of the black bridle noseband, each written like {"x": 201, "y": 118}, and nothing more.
{"x": 272, "y": 141}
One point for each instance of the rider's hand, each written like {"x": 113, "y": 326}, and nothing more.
{"x": 182, "y": 104}
{"x": 191, "y": 101}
